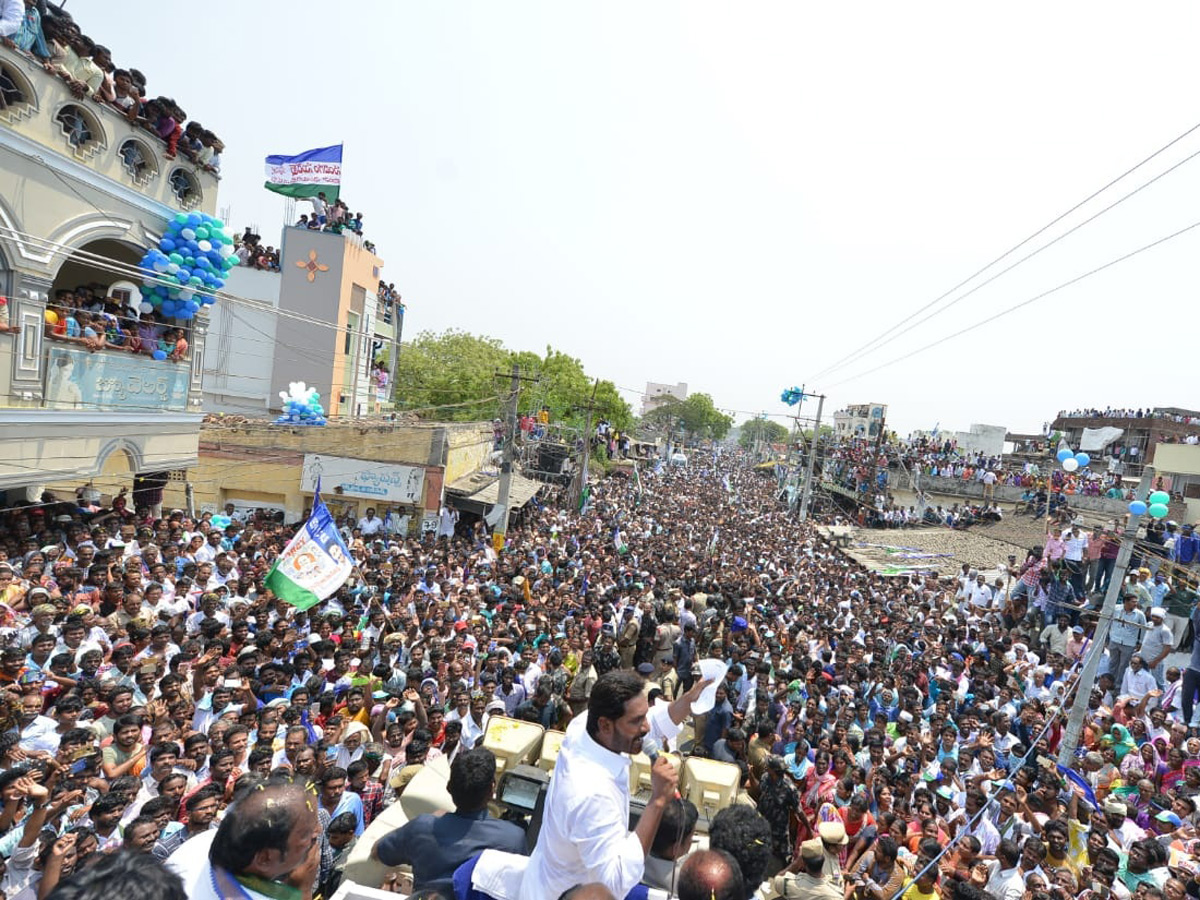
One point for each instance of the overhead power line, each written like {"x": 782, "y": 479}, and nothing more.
{"x": 890, "y": 334}
{"x": 1004, "y": 312}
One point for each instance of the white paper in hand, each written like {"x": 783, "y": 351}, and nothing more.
{"x": 713, "y": 669}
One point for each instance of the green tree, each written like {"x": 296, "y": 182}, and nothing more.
{"x": 451, "y": 376}
{"x": 696, "y": 415}
{"x": 826, "y": 432}
{"x": 562, "y": 385}
{"x": 456, "y": 376}
{"x": 764, "y": 430}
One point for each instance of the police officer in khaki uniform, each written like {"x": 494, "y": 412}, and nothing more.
{"x": 805, "y": 878}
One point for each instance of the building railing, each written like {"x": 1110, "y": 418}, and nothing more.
{"x": 39, "y": 109}
{"x": 77, "y": 378}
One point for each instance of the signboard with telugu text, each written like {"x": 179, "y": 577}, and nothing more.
{"x": 112, "y": 379}
{"x": 381, "y": 482}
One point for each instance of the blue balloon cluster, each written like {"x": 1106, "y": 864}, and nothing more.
{"x": 194, "y": 254}
{"x": 301, "y": 406}
{"x": 792, "y": 396}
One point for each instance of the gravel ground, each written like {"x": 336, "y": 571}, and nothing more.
{"x": 973, "y": 547}
{"x": 985, "y": 547}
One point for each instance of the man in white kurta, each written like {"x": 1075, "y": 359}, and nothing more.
{"x": 585, "y": 834}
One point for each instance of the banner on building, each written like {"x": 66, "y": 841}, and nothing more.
{"x": 381, "y": 482}
{"x": 79, "y": 379}
{"x": 306, "y": 174}
{"x": 1093, "y": 440}
{"x": 315, "y": 563}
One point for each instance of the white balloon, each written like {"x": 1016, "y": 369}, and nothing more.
{"x": 205, "y": 246}
{"x": 1070, "y": 464}
{"x": 172, "y": 268}
{"x": 187, "y": 234}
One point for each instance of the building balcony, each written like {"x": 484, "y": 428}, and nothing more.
{"x": 108, "y": 380}
{"x": 43, "y": 121}
{"x": 89, "y": 409}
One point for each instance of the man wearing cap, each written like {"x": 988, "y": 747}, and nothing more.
{"x": 833, "y": 840}
{"x": 1157, "y": 643}
{"x": 1122, "y": 831}
{"x": 805, "y": 878}
{"x": 1076, "y": 644}
{"x": 43, "y": 617}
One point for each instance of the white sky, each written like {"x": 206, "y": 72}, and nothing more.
{"x": 734, "y": 195}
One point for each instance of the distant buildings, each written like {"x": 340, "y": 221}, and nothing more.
{"x": 862, "y": 420}
{"x": 656, "y": 394}
{"x": 985, "y": 439}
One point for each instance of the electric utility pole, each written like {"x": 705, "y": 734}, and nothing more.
{"x": 875, "y": 461}
{"x": 806, "y": 497}
{"x": 1091, "y": 663}
{"x": 579, "y": 486}
{"x": 397, "y": 337}
{"x": 506, "y": 467}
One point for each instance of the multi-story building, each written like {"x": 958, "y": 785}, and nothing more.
{"x": 1177, "y": 470}
{"x": 1126, "y": 439}
{"x": 657, "y": 393}
{"x": 318, "y": 320}
{"x": 84, "y": 189}
{"x": 861, "y": 420}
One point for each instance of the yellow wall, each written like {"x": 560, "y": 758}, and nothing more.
{"x": 1178, "y": 459}
{"x": 469, "y": 447}
{"x": 262, "y": 463}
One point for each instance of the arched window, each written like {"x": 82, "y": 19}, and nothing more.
{"x": 81, "y": 129}
{"x": 186, "y": 188}
{"x": 16, "y": 94}
{"x": 139, "y": 161}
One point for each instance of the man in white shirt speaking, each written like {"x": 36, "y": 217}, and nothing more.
{"x": 585, "y": 834}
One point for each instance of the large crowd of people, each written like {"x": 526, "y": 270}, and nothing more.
{"x": 895, "y": 735}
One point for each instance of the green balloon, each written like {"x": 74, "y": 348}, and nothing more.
{"x": 1160, "y": 497}
{"x": 215, "y": 223}
{"x": 1159, "y": 510}
{"x": 176, "y": 258}
{"x": 180, "y": 218}
{"x": 201, "y": 233}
